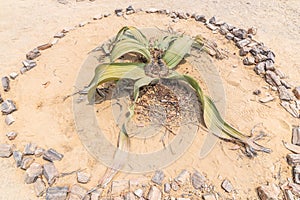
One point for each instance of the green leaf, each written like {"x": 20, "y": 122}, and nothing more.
{"x": 114, "y": 71}
{"x": 129, "y": 45}
{"x": 177, "y": 51}
{"x": 132, "y": 32}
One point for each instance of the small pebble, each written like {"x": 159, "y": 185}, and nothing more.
{"x": 59, "y": 35}
{"x": 13, "y": 75}
{"x": 26, "y": 162}
{"x": 11, "y": 135}
{"x": 50, "y": 172}
{"x": 29, "y": 149}
{"x": 97, "y": 17}
{"x": 39, "y": 151}
{"x": 83, "y": 177}
{"x": 167, "y": 187}
{"x": 33, "y": 172}
{"x": 8, "y": 107}
{"x": 139, "y": 193}
{"x": 183, "y": 177}
{"x": 5, "y": 83}
{"x": 18, "y": 157}
{"x": 227, "y": 186}
{"x": 9, "y": 119}
{"x": 266, "y": 99}
{"x": 158, "y": 177}
{"x": 78, "y": 191}
{"x": 52, "y": 155}
{"x": 257, "y": 92}
{"x": 57, "y": 193}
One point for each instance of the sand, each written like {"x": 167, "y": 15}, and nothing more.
{"x": 45, "y": 119}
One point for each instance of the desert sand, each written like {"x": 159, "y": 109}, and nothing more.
{"x": 45, "y": 119}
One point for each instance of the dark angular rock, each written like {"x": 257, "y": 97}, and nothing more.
{"x": 52, "y": 155}
{"x": 243, "y": 43}
{"x": 271, "y": 56}
{"x": 33, "y": 172}
{"x": 252, "y": 30}
{"x": 39, "y": 187}
{"x": 257, "y": 92}
{"x": 158, "y": 177}
{"x": 119, "y": 12}
{"x": 33, "y": 54}
{"x": 5, "y": 150}
{"x": 50, "y": 172}
{"x": 1, "y": 99}
{"x": 5, "y": 83}
{"x": 198, "y": 180}
{"x": 200, "y": 18}
{"x": 244, "y": 51}
{"x": 26, "y": 162}
{"x": 270, "y": 65}
{"x": 296, "y": 92}
{"x": 129, "y": 8}
{"x": 11, "y": 135}
{"x": 29, "y": 149}
{"x": 240, "y": 33}
{"x": 227, "y": 186}
{"x": 212, "y": 20}
{"x": 18, "y": 157}
{"x": 8, "y": 107}
{"x": 57, "y": 193}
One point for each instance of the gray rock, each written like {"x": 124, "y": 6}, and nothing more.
{"x": 152, "y": 10}
{"x": 26, "y": 162}
{"x": 260, "y": 57}
{"x": 158, "y": 177}
{"x": 296, "y": 174}
{"x": 257, "y": 92}
{"x": 296, "y": 92}
{"x": 18, "y": 157}
{"x": 28, "y": 64}
{"x": 9, "y": 119}
{"x": 50, "y": 172}
{"x": 183, "y": 177}
{"x": 33, "y": 54}
{"x": 223, "y": 30}
{"x": 244, "y": 51}
{"x": 47, "y": 45}
{"x": 119, "y": 12}
{"x": 293, "y": 159}
{"x": 174, "y": 186}
{"x": 139, "y": 193}
{"x": 182, "y": 15}
{"x": 39, "y": 187}
{"x": 1, "y": 99}
{"x": 198, "y": 180}
{"x": 284, "y": 94}
{"x": 243, "y": 43}
{"x": 52, "y": 155}
{"x": 5, "y": 83}
{"x": 209, "y": 197}
{"x": 33, "y": 172}
{"x": 59, "y": 35}
{"x": 272, "y": 78}
{"x": 83, "y": 177}
{"x": 39, "y": 151}
{"x": 271, "y": 56}
{"x": 119, "y": 186}
{"x": 200, "y": 18}
{"x": 82, "y": 24}
{"x": 296, "y": 135}
{"x": 5, "y": 150}
{"x": 129, "y": 196}
{"x": 129, "y": 8}
{"x": 57, "y": 193}
{"x": 11, "y": 135}
{"x": 212, "y": 27}
{"x": 227, "y": 186}
{"x": 270, "y": 65}
{"x": 167, "y": 188}
{"x": 98, "y": 17}
{"x": 23, "y": 70}
{"x": 266, "y": 99}
{"x": 8, "y": 107}
{"x": 249, "y": 61}
{"x": 240, "y": 33}
{"x": 229, "y": 36}
{"x": 252, "y": 30}
{"x": 236, "y": 39}
{"x": 78, "y": 191}
{"x": 279, "y": 73}
{"x": 95, "y": 195}
{"x": 29, "y": 149}
{"x": 291, "y": 108}
{"x": 268, "y": 192}
{"x": 212, "y": 20}
{"x": 154, "y": 194}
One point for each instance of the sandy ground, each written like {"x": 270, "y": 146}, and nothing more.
{"x": 43, "y": 118}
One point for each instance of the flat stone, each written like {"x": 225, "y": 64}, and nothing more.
{"x": 139, "y": 193}
{"x": 95, "y": 195}
{"x": 29, "y": 64}
{"x": 129, "y": 196}
{"x": 296, "y": 92}
{"x": 29, "y": 149}
{"x": 33, "y": 54}
{"x": 296, "y": 135}
{"x": 13, "y": 75}
{"x": 9, "y": 119}
{"x": 260, "y": 68}
{"x": 167, "y": 188}
{"x": 284, "y": 94}
{"x": 97, "y": 17}
{"x": 293, "y": 159}
{"x": 244, "y": 51}
{"x": 119, "y": 186}
{"x": 44, "y": 46}
{"x": 152, "y": 10}
{"x": 18, "y": 157}
{"x": 52, "y": 155}
{"x": 266, "y": 99}
{"x": 154, "y": 194}
{"x": 183, "y": 177}
{"x": 227, "y": 186}
{"x": 78, "y": 191}
{"x": 240, "y": 33}
{"x": 39, "y": 152}
{"x": 5, "y": 150}
{"x": 200, "y": 18}
{"x": 33, "y": 172}
{"x": 11, "y": 135}
{"x": 57, "y": 193}
{"x": 26, "y": 162}
{"x": 285, "y": 84}
{"x": 198, "y": 180}
{"x": 39, "y": 187}
{"x": 229, "y": 36}
{"x": 211, "y": 27}
{"x": 290, "y": 108}
{"x": 268, "y": 192}
{"x": 59, "y": 35}
{"x": 8, "y": 107}
{"x": 5, "y": 83}
{"x": 271, "y": 56}
{"x": 243, "y": 43}
{"x": 212, "y": 20}
{"x": 270, "y": 65}
{"x": 209, "y": 197}
{"x": 272, "y": 78}
{"x": 83, "y": 177}
{"x": 249, "y": 61}
{"x": 296, "y": 174}
{"x": 50, "y": 172}
{"x": 174, "y": 186}
{"x": 158, "y": 177}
